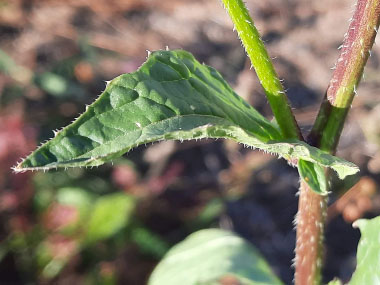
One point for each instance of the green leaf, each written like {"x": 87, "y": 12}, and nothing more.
{"x": 335, "y": 281}
{"x": 52, "y": 83}
{"x": 314, "y": 175}
{"x": 9, "y": 67}
{"x": 207, "y": 256}
{"x": 170, "y": 97}
{"x": 75, "y": 196}
{"x": 209, "y": 214}
{"x": 148, "y": 242}
{"x": 368, "y": 261}
{"x": 109, "y": 215}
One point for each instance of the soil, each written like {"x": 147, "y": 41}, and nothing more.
{"x": 259, "y": 192}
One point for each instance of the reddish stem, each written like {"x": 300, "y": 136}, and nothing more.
{"x": 309, "y": 245}
{"x": 326, "y": 133}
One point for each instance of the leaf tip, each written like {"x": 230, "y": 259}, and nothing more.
{"x": 346, "y": 170}
{"x": 17, "y": 169}
{"x": 21, "y": 168}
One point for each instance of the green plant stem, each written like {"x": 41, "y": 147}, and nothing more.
{"x": 264, "y": 68}
{"x": 326, "y": 132}
{"x": 348, "y": 72}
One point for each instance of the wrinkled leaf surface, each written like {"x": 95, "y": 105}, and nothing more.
{"x": 170, "y": 97}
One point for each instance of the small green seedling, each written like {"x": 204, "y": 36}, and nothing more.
{"x": 174, "y": 97}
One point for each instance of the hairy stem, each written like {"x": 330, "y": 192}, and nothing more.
{"x": 347, "y": 75}
{"x": 263, "y": 66}
{"x": 326, "y": 132}
{"x": 310, "y": 221}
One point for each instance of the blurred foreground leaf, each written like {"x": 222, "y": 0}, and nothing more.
{"x": 209, "y": 256}
{"x": 368, "y": 255}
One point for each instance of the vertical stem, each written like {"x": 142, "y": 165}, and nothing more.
{"x": 348, "y": 72}
{"x": 309, "y": 244}
{"x": 310, "y": 221}
{"x": 326, "y": 132}
{"x": 329, "y": 123}
{"x": 263, "y": 66}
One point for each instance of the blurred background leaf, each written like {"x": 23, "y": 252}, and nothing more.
{"x": 108, "y": 215}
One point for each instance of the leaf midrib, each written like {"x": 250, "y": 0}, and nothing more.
{"x": 154, "y": 139}
{"x": 225, "y": 117}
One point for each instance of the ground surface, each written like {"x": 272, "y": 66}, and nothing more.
{"x": 57, "y": 56}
